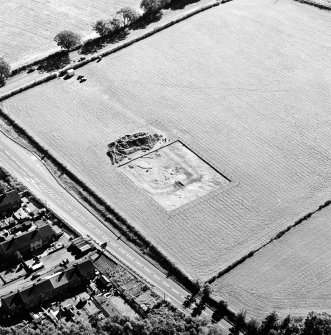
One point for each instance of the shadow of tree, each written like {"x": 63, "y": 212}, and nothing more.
{"x": 179, "y": 4}
{"x": 144, "y": 21}
{"x": 93, "y": 46}
{"x": 54, "y": 63}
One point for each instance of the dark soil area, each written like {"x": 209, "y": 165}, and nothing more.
{"x": 129, "y": 144}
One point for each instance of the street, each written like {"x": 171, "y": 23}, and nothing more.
{"x": 27, "y": 168}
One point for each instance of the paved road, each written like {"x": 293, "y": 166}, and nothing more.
{"x": 31, "y": 171}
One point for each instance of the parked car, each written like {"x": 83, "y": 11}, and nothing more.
{"x": 35, "y": 275}
{"x": 37, "y": 267}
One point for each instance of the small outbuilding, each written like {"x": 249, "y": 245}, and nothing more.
{"x": 70, "y": 73}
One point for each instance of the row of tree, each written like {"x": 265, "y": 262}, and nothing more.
{"x": 313, "y": 324}
{"x": 166, "y": 321}
{"x": 4, "y": 71}
{"x": 127, "y": 16}
{"x": 123, "y": 19}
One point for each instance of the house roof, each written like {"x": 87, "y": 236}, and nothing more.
{"x": 11, "y": 300}
{"x": 21, "y": 214}
{"x": 59, "y": 280}
{"x": 46, "y": 286}
{"x": 36, "y": 290}
{"x": 77, "y": 271}
{"x": 85, "y": 267}
{"x": 19, "y": 242}
{"x": 9, "y": 199}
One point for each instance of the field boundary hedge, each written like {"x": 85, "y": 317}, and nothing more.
{"x": 47, "y": 57}
{"x": 25, "y": 87}
{"x": 315, "y": 4}
{"x": 119, "y": 47}
{"x": 101, "y": 54}
{"x": 278, "y": 236}
{"x": 141, "y": 37}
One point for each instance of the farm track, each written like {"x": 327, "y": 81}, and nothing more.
{"x": 278, "y": 236}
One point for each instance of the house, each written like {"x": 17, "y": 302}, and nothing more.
{"x": 52, "y": 287}
{"x": 9, "y": 202}
{"x": 21, "y": 215}
{"x": 27, "y": 242}
{"x": 28, "y": 210}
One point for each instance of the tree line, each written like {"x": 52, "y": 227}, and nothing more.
{"x": 165, "y": 320}
{"x": 313, "y": 324}
{"x": 123, "y": 19}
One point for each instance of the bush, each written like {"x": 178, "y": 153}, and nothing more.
{"x": 117, "y": 23}
{"x": 128, "y": 16}
{"x": 102, "y": 27}
{"x": 152, "y": 6}
{"x": 108, "y": 27}
{"x": 4, "y": 71}
{"x": 67, "y": 39}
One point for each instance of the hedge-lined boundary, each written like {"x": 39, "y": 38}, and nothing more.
{"x": 142, "y": 37}
{"x": 121, "y": 46}
{"x": 28, "y": 86}
{"x": 107, "y": 213}
{"x": 315, "y": 4}
{"x": 278, "y": 236}
{"x": 103, "y": 53}
{"x": 37, "y": 61}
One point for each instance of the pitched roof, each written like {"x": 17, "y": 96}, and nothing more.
{"x": 10, "y": 198}
{"x": 18, "y": 242}
{"x": 11, "y": 300}
{"x": 46, "y": 286}
{"x": 59, "y": 280}
{"x": 85, "y": 267}
{"x": 36, "y": 290}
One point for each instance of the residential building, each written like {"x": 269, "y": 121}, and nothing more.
{"x": 26, "y": 242}
{"x": 52, "y": 287}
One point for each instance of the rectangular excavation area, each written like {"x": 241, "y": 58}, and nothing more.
{"x": 173, "y": 175}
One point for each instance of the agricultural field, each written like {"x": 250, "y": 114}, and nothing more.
{"x": 245, "y": 86}
{"x": 28, "y": 27}
{"x": 295, "y": 281}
